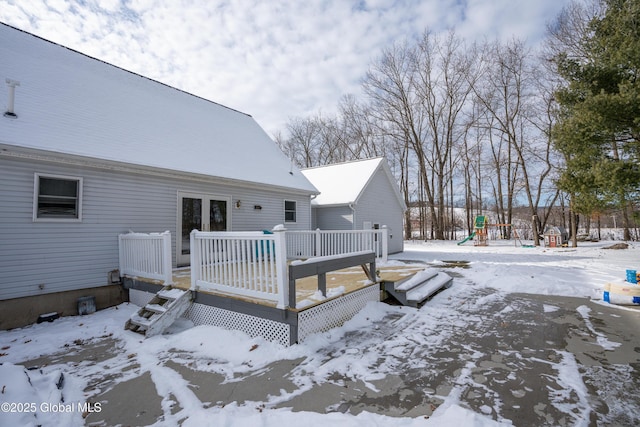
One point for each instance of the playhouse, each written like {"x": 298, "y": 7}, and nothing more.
{"x": 555, "y": 237}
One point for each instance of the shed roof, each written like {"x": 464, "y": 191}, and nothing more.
{"x": 556, "y": 230}
{"x": 71, "y": 104}
{"x": 344, "y": 183}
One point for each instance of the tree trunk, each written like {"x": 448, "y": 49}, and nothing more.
{"x": 573, "y": 223}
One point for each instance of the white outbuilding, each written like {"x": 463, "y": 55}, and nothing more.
{"x": 358, "y": 195}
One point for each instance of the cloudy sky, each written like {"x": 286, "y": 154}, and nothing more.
{"x": 273, "y": 59}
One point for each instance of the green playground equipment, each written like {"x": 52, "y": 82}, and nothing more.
{"x": 480, "y": 237}
{"x": 480, "y": 231}
{"x": 480, "y": 223}
{"x": 467, "y": 239}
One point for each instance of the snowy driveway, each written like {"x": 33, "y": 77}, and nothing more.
{"x": 480, "y": 353}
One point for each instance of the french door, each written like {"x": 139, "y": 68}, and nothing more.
{"x": 202, "y": 212}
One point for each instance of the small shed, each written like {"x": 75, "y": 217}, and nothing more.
{"x": 358, "y": 195}
{"x": 555, "y": 237}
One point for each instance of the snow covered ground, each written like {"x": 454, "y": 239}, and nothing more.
{"x": 521, "y": 338}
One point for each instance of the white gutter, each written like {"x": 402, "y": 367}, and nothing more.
{"x": 352, "y": 206}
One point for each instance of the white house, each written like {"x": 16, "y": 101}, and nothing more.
{"x": 358, "y": 195}
{"x": 89, "y": 150}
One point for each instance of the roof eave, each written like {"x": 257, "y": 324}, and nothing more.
{"x": 331, "y": 205}
{"x": 17, "y": 152}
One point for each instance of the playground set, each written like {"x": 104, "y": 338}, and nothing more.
{"x": 479, "y": 234}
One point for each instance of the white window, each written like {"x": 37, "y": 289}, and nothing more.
{"x": 57, "y": 198}
{"x": 289, "y": 211}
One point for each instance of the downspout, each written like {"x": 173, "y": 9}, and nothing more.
{"x": 311, "y": 224}
{"x": 352, "y": 206}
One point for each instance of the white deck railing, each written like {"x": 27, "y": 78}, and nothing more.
{"x": 146, "y": 255}
{"x": 312, "y": 243}
{"x": 251, "y": 264}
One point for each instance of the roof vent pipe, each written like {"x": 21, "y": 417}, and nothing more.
{"x": 12, "y": 96}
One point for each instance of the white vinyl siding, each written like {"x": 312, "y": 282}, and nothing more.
{"x": 334, "y": 218}
{"x": 44, "y": 257}
{"x": 378, "y": 204}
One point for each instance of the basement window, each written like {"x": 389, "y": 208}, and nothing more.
{"x": 57, "y": 198}
{"x": 289, "y": 211}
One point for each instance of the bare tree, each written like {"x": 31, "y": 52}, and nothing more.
{"x": 419, "y": 91}
{"x": 507, "y": 95}
{"x": 545, "y": 115}
{"x": 567, "y": 33}
{"x": 471, "y": 159}
{"x": 390, "y": 85}
{"x": 443, "y": 69}
{"x": 363, "y": 137}
{"x": 458, "y": 125}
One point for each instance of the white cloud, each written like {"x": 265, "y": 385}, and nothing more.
{"x": 273, "y": 60}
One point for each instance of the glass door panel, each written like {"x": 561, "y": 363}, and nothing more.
{"x": 217, "y": 215}
{"x": 199, "y": 212}
{"x": 191, "y": 220}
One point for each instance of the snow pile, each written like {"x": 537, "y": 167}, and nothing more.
{"x": 35, "y": 397}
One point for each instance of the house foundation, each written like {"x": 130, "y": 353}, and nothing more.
{"x": 19, "y": 312}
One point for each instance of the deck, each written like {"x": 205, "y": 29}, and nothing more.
{"x": 338, "y": 283}
{"x": 348, "y": 291}
{"x": 262, "y": 283}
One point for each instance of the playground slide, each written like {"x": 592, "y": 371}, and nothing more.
{"x": 468, "y": 238}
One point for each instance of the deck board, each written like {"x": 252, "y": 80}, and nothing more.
{"x": 350, "y": 279}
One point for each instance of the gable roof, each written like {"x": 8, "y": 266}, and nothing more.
{"x": 344, "y": 183}
{"x": 554, "y": 229}
{"x": 71, "y": 105}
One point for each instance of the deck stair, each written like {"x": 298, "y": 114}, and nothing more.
{"x": 415, "y": 290}
{"x": 163, "y": 309}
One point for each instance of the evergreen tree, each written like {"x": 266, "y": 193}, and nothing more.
{"x": 599, "y": 125}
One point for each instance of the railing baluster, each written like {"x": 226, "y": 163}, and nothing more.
{"x": 307, "y": 243}
{"x": 146, "y": 255}
{"x": 246, "y": 281}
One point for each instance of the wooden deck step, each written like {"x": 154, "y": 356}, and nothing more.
{"x": 171, "y": 293}
{"x": 415, "y": 280}
{"x": 138, "y": 320}
{"x": 415, "y": 290}
{"x": 155, "y": 308}
{"x": 427, "y": 288}
{"x": 163, "y": 309}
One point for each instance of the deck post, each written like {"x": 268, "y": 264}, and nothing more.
{"x": 194, "y": 259}
{"x": 121, "y": 257}
{"x": 282, "y": 272}
{"x": 370, "y": 271}
{"x": 318, "y": 243}
{"x": 292, "y": 292}
{"x": 385, "y": 243}
{"x": 166, "y": 258}
{"x": 322, "y": 284}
